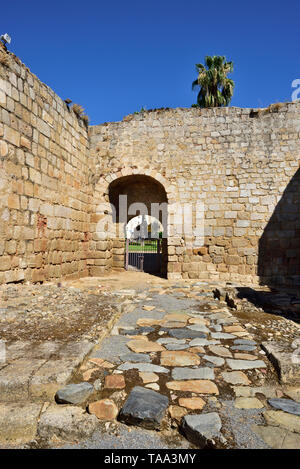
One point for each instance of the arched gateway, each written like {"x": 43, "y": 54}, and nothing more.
{"x": 142, "y": 197}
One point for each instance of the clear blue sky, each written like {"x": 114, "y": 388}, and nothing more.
{"x": 113, "y": 57}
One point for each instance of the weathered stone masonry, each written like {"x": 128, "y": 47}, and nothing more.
{"x": 242, "y": 165}
{"x": 44, "y": 191}
{"x": 55, "y": 184}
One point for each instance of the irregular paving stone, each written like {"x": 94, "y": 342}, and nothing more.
{"x": 217, "y": 328}
{"x": 149, "y": 307}
{"x": 246, "y": 348}
{"x": 277, "y": 438}
{"x": 176, "y": 317}
{"x": 148, "y": 377}
{"x": 198, "y": 327}
{"x": 139, "y": 337}
{"x": 51, "y": 376}
{"x": 245, "y": 391}
{"x": 220, "y": 351}
{"x": 235, "y": 377}
{"x": 197, "y": 386}
{"x": 74, "y": 393}
{"x": 288, "y": 370}
{"x": 105, "y": 409}
{"x": 66, "y": 422}
{"x": 245, "y": 364}
{"x": 145, "y": 322}
{"x": 279, "y": 418}
{"x": 196, "y": 349}
{"x": 248, "y": 403}
{"x": 97, "y": 384}
{"x": 176, "y": 412}
{"x": 101, "y": 363}
{"x": 234, "y": 329}
{"x": 226, "y": 321}
{"x": 153, "y": 386}
{"x": 114, "y": 382}
{"x": 172, "y": 324}
{"x": 111, "y": 348}
{"x": 141, "y": 346}
{"x": 139, "y": 331}
{"x": 293, "y": 393}
{"x": 170, "y": 340}
{"x": 15, "y": 378}
{"x": 217, "y": 361}
{"x": 135, "y": 357}
{"x": 244, "y": 356}
{"x": 186, "y": 334}
{"x": 203, "y": 321}
{"x": 144, "y": 407}
{"x": 241, "y": 334}
{"x": 202, "y": 429}
{"x": 244, "y": 342}
{"x": 176, "y": 346}
{"x": 287, "y": 405}
{"x": 18, "y": 422}
{"x": 89, "y": 373}
{"x": 179, "y": 358}
{"x": 192, "y": 402}
{"x": 222, "y": 335}
{"x": 202, "y": 342}
{"x": 218, "y": 316}
{"x": 192, "y": 373}
{"x": 144, "y": 367}
{"x": 291, "y": 441}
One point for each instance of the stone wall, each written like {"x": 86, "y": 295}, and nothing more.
{"x": 242, "y": 164}
{"x": 44, "y": 190}
{"x": 56, "y": 182}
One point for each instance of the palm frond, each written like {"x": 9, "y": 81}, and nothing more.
{"x": 216, "y": 89}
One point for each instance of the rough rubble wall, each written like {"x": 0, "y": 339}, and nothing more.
{"x": 241, "y": 164}
{"x": 44, "y": 191}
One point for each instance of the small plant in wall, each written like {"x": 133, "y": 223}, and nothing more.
{"x": 143, "y": 109}
{"x": 79, "y": 111}
{"x": 86, "y": 120}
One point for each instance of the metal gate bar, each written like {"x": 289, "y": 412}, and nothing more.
{"x": 143, "y": 255}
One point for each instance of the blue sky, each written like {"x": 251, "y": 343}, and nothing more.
{"x": 113, "y": 57}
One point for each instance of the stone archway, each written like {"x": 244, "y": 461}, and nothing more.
{"x": 130, "y": 196}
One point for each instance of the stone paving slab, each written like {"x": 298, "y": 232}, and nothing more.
{"x": 18, "y": 422}
{"x": 277, "y": 438}
{"x": 202, "y": 429}
{"x": 37, "y": 376}
{"x": 143, "y": 367}
{"x": 111, "y": 348}
{"x": 50, "y": 377}
{"x": 288, "y": 369}
{"x": 194, "y": 375}
{"x": 15, "y": 378}
{"x": 245, "y": 364}
{"x": 66, "y": 422}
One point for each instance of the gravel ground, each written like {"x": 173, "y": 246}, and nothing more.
{"x": 124, "y": 437}
{"x": 238, "y": 422}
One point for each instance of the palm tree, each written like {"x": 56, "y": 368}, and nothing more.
{"x": 216, "y": 89}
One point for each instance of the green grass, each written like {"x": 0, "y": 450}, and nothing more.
{"x": 149, "y": 246}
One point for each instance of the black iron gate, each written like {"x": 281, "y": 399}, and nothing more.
{"x": 143, "y": 254}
